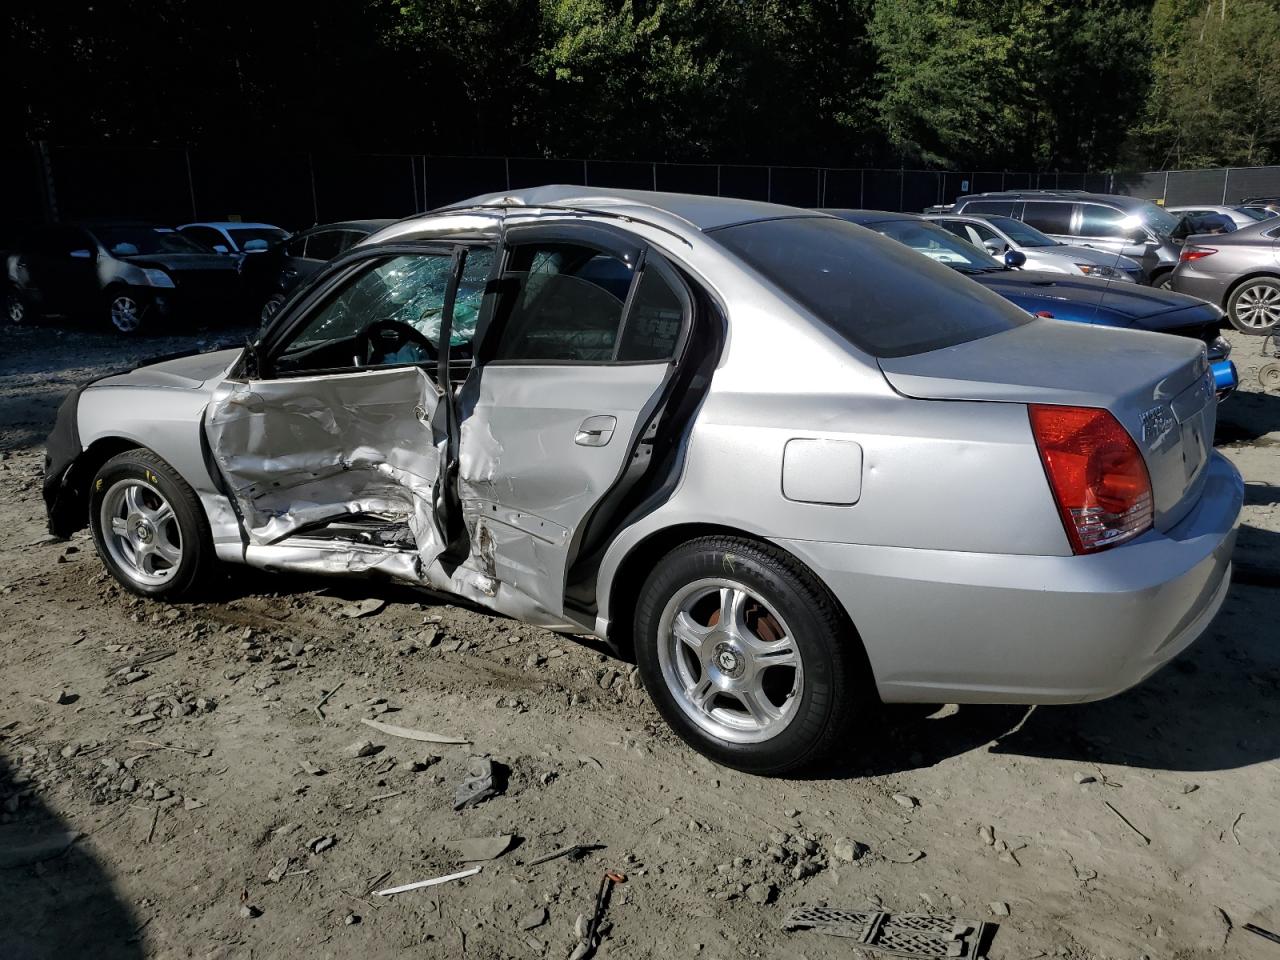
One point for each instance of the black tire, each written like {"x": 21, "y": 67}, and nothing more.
{"x": 197, "y": 559}
{"x": 17, "y": 311}
{"x": 127, "y": 310}
{"x": 1258, "y": 291}
{"x": 836, "y": 690}
{"x": 1162, "y": 281}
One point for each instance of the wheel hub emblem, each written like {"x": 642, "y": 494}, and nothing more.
{"x": 142, "y": 530}
{"x": 729, "y": 661}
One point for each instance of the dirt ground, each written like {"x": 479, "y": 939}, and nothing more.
{"x": 219, "y": 814}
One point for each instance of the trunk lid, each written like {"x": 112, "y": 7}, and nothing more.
{"x": 1158, "y": 387}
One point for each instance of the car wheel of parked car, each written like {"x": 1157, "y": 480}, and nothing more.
{"x": 1163, "y": 281}
{"x": 1254, "y": 306}
{"x": 748, "y": 657}
{"x": 16, "y": 310}
{"x": 126, "y": 310}
{"x": 271, "y": 308}
{"x": 149, "y": 526}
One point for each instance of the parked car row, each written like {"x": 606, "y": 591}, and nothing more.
{"x": 795, "y": 463}
{"x": 133, "y": 274}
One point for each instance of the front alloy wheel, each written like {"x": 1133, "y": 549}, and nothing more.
{"x": 1255, "y": 306}
{"x": 141, "y": 532}
{"x": 126, "y": 313}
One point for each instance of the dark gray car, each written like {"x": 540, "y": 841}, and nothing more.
{"x": 1128, "y": 226}
{"x": 1239, "y": 271}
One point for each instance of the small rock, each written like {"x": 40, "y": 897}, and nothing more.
{"x": 161, "y": 793}
{"x": 1190, "y": 787}
{"x": 362, "y": 748}
{"x": 903, "y": 800}
{"x": 480, "y": 784}
{"x": 533, "y": 919}
{"x": 248, "y": 911}
{"x": 309, "y": 767}
{"x": 351, "y": 919}
{"x": 988, "y": 835}
{"x": 805, "y": 868}
{"x": 265, "y": 683}
{"x": 320, "y": 844}
{"x": 191, "y": 803}
{"x": 1083, "y": 778}
{"x": 849, "y": 851}
{"x": 63, "y": 697}
{"x": 365, "y": 608}
{"x": 581, "y": 926}
{"x": 70, "y": 750}
{"x": 761, "y": 893}
{"x": 278, "y": 870}
{"x": 791, "y": 813}
{"x": 999, "y": 908}
{"x": 134, "y": 676}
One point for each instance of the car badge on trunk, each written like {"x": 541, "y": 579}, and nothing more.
{"x": 1156, "y": 422}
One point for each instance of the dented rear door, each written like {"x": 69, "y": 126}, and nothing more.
{"x": 568, "y": 376}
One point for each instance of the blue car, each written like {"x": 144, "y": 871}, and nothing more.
{"x": 1080, "y": 299}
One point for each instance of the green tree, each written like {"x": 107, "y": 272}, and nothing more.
{"x": 1215, "y": 97}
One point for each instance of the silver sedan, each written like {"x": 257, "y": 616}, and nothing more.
{"x": 1239, "y": 271}
{"x": 790, "y": 466}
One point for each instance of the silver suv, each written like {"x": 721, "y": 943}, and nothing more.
{"x": 1128, "y": 226}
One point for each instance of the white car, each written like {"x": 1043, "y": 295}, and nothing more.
{"x": 232, "y": 236}
{"x": 999, "y": 235}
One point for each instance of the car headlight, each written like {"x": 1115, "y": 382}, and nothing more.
{"x": 157, "y": 278}
{"x": 1101, "y": 270}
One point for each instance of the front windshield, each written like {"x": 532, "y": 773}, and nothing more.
{"x": 875, "y": 293}
{"x": 1161, "y": 221}
{"x": 1024, "y": 235}
{"x": 127, "y": 241}
{"x": 937, "y": 244}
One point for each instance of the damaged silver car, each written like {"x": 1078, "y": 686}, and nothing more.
{"x": 789, "y": 465}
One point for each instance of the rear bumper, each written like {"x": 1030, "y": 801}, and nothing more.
{"x": 942, "y": 626}
{"x": 1203, "y": 285}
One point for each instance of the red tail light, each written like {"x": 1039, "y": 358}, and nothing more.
{"x": 1097, "y": 475}
{"x": 1196, "y": 253}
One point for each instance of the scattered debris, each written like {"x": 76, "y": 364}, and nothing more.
{"x": 309, "y": 767}
{"x": 533, "y": 919}
{"x": 1235, "y": 823}
{"x": 589, "y": 939}
{"x": 482, "y": 782}
{"x": 385, "y": 796}
{"x": 325, "y": 699}
{"x": 910, "y": 856}
{"x": 406, "y": 733}
{"x": 362, "y": 748}
{"x": 365, "y": 608}
{"x": 1083, "y": 778}
{"x": 575, "y": 851}
{"x": 321, "y": 844}
{"x": 1265, "y": 934}
{"x": 904, "y": 935}
{"x": 473, "y": 849}
{"x": 1125, "y": 821}
{"x": 460, "y": 875}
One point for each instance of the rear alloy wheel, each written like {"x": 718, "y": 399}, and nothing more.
{"x": 1254, "y": 306}
{"x": 126, "y": 311}
{"x": 271, "y": 308}
{"x": 748, "y": 657}
{"x": 1164, "y": 281}
{"x": 148, "y": 525}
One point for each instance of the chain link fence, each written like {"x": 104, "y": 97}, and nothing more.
{"x": 41, "y": 181}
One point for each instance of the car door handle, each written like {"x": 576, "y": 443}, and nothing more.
{"x": 596, "y": 431}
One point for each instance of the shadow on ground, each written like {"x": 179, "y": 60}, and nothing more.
{"x": 55, "y": 899}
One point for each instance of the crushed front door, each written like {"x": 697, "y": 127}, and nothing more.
{"x": 335, "y": 438}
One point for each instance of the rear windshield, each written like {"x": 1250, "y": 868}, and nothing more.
{"x": 881, "y": 296}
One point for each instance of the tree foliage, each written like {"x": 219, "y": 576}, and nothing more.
{"x": 1017, "y": 84}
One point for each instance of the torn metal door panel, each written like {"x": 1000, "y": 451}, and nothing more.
{"x": 301, "y": 451}
{"x": 529, "y": 474}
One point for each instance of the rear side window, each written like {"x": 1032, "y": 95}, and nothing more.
{"x": 1049, "y": 216}
{"x": 879, "y": 294}
{"x": 326, "y": 245}
{"x": 995, "y": 208}
{"x": 1099, "y": 221}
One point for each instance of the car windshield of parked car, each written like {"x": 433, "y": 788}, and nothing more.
{"x": 242, "y": 235}
{"x": 128, "y": 241}
{"x": 1161, "y": 221}
{"x": 937, "y": 244}
{"x": 878, "y": 295}
{"x": 1024, "y": 235}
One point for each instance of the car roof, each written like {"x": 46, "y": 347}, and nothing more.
{"x": 232, "y": 224}
{"x": 1073, "y": 196}
{"x": 366, "y": 226}
{"x": 702, "y": 212}
{"x": 865, "y": 217}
